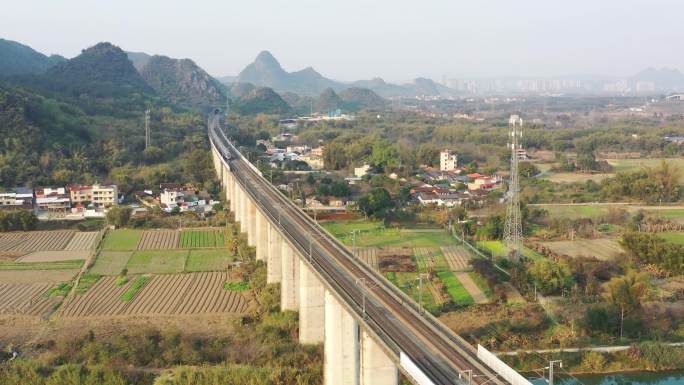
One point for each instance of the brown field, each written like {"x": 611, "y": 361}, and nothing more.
{"x": 192, "y": 293}
{"x": 53, "y": 256}
{"x": 83, "y": 241}
{"x": 369, "y": 255}
{"x": 159, "y": 240}
{"x": 397, "y": 259}
{"x": 31, "y": 276}
{"x": 42, "y": 240}
{"x": 11, "y": 240}
{"x": 457, "y": 257}
{"x": 27, "y": 299}
{"x": 604, "y": 249}
{"x": 10, "y": 255}
{"x": 426, "y": 255}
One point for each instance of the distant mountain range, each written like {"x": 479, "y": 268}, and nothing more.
{"x": 266, "y": 71}
{"x": 669, "y": 79}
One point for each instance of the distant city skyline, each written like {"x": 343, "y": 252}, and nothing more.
{"x": 353, "y": 40}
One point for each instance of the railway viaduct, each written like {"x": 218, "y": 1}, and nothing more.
{"x": 370, "y": 330}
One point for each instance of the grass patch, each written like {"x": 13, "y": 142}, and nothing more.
{"x": 673, "y": 237}
{"x": 122, "y": 239}
{"x": 481, "y": 283}
{"x": 60, "y": 290}
{"x": 135, "y": 288}
{"x": 236, "y": 286}
{"x": 86, "y": 282}
{"x": 498, "y": 249}
{"x": 629, "y": 165}
{"x": 208, "y": 260}
{"x": 374, "y": 234}
{"x": 110, "y": 262}
{"x": 455, "y": 288}
{"x": 59, "y": 265}
{"x": 157, "y": 261}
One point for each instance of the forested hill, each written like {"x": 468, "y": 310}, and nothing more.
{"x": 18, "y": 59}
{"x": 181, "y": 81}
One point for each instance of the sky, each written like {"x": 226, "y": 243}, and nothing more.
{"x": 361, "y": 39}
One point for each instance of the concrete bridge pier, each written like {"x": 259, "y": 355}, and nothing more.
{"x": 261, "y": 236}
{"x": 289, "y": 284}
{"x": 251, "y": 221}
{"x": 376, "y": 367}
{"x": 242, "y": 209}
{"x": 233, "y": 195}
{"x": 273, "y": 258}
{"x": 341, "y": 346}
{"x": 311, "y": 306}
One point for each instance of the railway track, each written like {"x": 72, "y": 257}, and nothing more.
{"x": 392, "y": 315}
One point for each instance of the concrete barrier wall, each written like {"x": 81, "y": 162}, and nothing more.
{"x": 500, "y": 367}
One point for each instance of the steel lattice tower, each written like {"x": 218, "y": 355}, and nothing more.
{"x": 513, "y": 226}
{"x": 148, "y": 140}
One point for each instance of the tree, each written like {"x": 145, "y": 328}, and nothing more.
{"x": 629, "y": 291}
{"x": 119, "y": 216}
{"x": 385, "y": 155}
{"x": 527, "y": 169}
{"x": 340, "y": 189}
{"x": 376, "y": 202}
{"x": 427, "y": 154}
{"x": 550, "y": 277}
{"x": 334, "y": 157}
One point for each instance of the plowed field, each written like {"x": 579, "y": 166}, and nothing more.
{"x": 43, "y": 240}
{"x": 159, "y": 240}
{"x": 456, "y": 257}
{"x": 193, "y": 293}
{"x": 82, "y": 241}
{"x": 27, "y": 299}
{"x": 369, "y": 255}
{"x": 53, "y": 256}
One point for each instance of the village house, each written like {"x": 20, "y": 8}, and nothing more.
{"x": 52, "y": 199}
{"x": 19, "y": 198}
{"x": 98, "y": 195}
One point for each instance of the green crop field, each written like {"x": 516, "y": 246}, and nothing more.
{"x": 122, "y": 239}
{"x": 674, "y": 237}
{"x": 59, "y": 265}
{"x": 498, "y": 249}
{"x": 455, "y": 288}
{"x": 157, "y": 261}
{"x": 208, "y": 260}
{"x": 374, "y": 234}
{"x": 627, "y": 165}
{"x": 409, "y": 284}
{"x": 110, "y": 262}
{"x": 191, "y": 239}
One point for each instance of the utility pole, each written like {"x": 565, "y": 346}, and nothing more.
{"x": 551, "y": 363}
{"x": 513, "y": 225}
{"x": 147, "y": 129}
{"x": 420, "y": 291}
{"x": 469, "y": 375}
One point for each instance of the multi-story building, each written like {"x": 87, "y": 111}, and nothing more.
{"x": 448, "y": 160}
{"x": 100, "y": 195}
{"x": 20, "y": 198}
{"x": 52, "y": 199}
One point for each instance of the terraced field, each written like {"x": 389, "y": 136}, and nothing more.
{"x": 27, "y": 299}
{"x": 159, "y": 240}
{"x": 193, "y": 293}
{"x": 192, "y": 239}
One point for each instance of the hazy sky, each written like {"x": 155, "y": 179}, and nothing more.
{"x": 354, "y": 39}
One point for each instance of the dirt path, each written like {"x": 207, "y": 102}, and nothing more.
{"x": 471, "y": 286}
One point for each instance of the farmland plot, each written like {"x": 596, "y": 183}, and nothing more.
{"x": 122, "y": 239}
{"x": 53, "y": 256}
{"x": 369, "y": 255}
{"x": 208, "y": 260}
{"x": 425, "y": 256}
{"x": 159, "y": 240}
{"x": 192, "y": 239}
{"x": 31, "y": 276}
{"x": 604, "y": 249}
{"x": 44, "y": 240}
{"x": 27, "y": 299}
{"x": 457, "y": 257}
{"x": 157, "y": 261}
{"x": 83, "y": 241}
{"x": 11, "y": 240}
{"x": 110, "y": 262}
{"x": 193, "y": 293}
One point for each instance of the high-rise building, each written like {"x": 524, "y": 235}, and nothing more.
{"x": 448, "y": 160}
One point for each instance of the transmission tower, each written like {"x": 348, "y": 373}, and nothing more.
{"x": 147, "y": 128}
{"x": 513, "y": 226}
